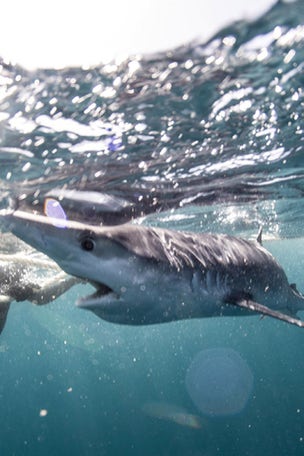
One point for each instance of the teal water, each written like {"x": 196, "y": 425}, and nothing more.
{"x": 205, "y": 137}
{"x": 93, "y": 378}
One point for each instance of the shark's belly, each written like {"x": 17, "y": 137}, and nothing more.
{"x": 176, "y": 296}
{"x": 200, "y": 294}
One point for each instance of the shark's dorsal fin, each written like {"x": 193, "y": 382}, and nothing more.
{"x": 259, "y": 236}
{"x": 4, "y": 308}
{"x": 264, "y": 310}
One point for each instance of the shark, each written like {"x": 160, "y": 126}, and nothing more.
{"x": 147, "y": 275}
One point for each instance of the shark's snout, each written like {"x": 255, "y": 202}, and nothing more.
{"x": 35, "y": 230}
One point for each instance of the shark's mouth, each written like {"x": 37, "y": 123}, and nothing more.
{"x": 103, "y": 292}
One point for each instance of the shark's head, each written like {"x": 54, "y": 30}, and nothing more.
{"x": 91, "y": 253}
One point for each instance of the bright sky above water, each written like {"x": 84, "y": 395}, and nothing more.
{"x": 58, "y": 33}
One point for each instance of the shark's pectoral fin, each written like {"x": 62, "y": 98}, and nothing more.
{"x": 264, "y": 310}
{"x": 4, "y": 308}
{"x": 293, "y": 286}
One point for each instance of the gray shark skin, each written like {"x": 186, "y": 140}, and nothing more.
{"x": 148, "y": 275}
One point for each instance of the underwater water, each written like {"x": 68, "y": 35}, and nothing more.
{"x": 207, "y": 137}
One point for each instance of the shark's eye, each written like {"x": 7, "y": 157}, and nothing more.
{"x": 87, "y": 244}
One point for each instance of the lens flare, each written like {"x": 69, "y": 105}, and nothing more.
{"x": 219, "y": 382}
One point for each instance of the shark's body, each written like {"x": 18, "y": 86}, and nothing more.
{"x": 148, "y": 275}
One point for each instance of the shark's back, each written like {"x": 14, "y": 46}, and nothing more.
{"x": 184, "y": 249}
